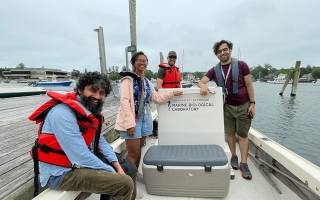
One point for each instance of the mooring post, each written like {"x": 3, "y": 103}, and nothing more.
{"x": 295, "y": 79}
{"x": 289, "y": 77}
{"x": 294, "y": 75}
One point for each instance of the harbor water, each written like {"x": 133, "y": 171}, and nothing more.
{"x": 293, "y": 122}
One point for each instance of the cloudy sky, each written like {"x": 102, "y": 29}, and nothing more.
{"x": 59, "y": 34}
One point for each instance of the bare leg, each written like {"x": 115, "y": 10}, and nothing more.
{"x": 134, "y": 151}
{"x": 141, "y": 143}
{"x": 232, "y": 144}
{"x": 244, "y": 148}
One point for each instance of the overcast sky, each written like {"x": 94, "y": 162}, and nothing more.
{"x": 59, "y": 34}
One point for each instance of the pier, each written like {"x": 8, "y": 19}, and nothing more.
{"x": 17, "y": 137}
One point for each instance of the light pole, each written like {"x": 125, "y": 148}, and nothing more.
{"x": 127, "y": 65}
{"x": 161, "y": 57}
{"x": 103, "y": 63}
{"x": 132, "y": 14}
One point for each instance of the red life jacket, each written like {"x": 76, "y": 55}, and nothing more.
{"x": 172, "y": 76}
{"x": 47, "y": 146}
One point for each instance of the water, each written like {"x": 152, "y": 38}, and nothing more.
{"x": 291, "y": 121}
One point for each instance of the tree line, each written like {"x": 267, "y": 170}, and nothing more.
{"x": 267, "y": 70}
{"x": 257, "y": 72}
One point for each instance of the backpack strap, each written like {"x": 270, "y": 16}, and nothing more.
{"x": 235, "y": 76}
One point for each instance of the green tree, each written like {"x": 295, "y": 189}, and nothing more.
{"x": 267, "y": 66}
{"x": 113, "y": 76}
{"x": 316, "y": 73}
{"x": 283, "y": 71}
{"x": 199, "y": 74}
{"x": 20, "y": 66}
{"x": 75, "y": 73}
{"x": 155, "y": 74}
{"x": 303, "y": 71}
{"x": 124, "y": 68}
{"x": 309, "y": 68}
{"x": 148, "y": 73}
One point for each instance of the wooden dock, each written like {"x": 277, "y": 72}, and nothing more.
{"x": 17, "y": 136}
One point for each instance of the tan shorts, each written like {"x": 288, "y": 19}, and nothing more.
{"x": 237, "y": 120}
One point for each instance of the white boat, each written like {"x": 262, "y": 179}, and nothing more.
{"x": 318, "y": 81}
{"x": 278, "y": 173}
{"x": 280, "y": 79}
{"x": 186, "y": 84}
{"x": 53, "y": 82}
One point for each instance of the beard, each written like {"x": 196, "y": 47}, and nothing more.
{"x": 94, "y": 109}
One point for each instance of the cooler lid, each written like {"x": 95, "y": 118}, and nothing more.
{"x": 185, "y": 155}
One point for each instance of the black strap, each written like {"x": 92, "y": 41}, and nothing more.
{"x": 97, "y": 138}
{"x": 44, "y": 148}
{"x": 171, "y": 83}
{"x": 36, "y": 169}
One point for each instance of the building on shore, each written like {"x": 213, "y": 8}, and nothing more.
{"x": 35, "y": 74}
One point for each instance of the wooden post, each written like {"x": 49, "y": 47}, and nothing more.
{"x": 295, "y": 79}
{"x": 294, "y": 75}
{"x": 286, "y": 83}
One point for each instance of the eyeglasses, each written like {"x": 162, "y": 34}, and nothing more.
{"x": 142, "y": 61}
{"x": 223, "y": 50}
{"x": 172, "y": 57}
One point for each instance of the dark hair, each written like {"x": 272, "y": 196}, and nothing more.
{"x": 94, "y": 79}
{"x": 135, "y": 56}
{"x": 218, "y": 44}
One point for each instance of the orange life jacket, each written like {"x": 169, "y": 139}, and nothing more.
{"x": 47, "y": 146}
{"x": 172, "y": 76}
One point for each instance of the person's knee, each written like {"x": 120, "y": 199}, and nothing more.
{"x": 243, "y": 137}
{"x": 135, "y": 152}
{"x": 127, "y": 183}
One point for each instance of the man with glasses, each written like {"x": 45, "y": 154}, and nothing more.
{"x": 168, "y": 73}
{"x": 234, "y": 77}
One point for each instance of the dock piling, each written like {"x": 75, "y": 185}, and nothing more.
{"x": 294, "y": 75}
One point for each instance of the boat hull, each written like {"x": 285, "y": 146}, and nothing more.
{"x": 43, "y": 84}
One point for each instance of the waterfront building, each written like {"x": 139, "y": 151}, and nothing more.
{"x": 35, "y": 73}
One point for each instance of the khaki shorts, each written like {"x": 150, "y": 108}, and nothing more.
{"x": 237, "y": 120}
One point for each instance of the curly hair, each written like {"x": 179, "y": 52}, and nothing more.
{"x": 218, "y": 44}
{"x": 95, "y": 79}
{"x": 135, "y": 57}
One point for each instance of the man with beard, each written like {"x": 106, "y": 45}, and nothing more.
{"x": 71, "y": 151}
{"x": 235, "y": 79}
{"x": 168, "y": 74}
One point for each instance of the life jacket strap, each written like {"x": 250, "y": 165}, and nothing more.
{"x": 35, "y": 168}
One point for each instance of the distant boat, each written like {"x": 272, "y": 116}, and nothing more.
{"x": 318, "y": 81}
{"x": 54, "y": 82}
{"x": 281, "y": 79}
{"x": 185, "y": 84}
{"x": 62, "y": 83}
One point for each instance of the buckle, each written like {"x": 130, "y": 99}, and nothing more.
{"x": 44, "y": 148}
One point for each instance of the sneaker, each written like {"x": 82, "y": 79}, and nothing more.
{"x": 245, "y": 171}
{"x": 234, "y": 162}
{"x": 140, "y": 178}
{"x": 140, "y": 194}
